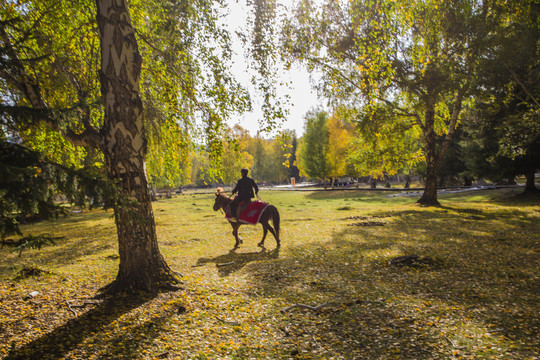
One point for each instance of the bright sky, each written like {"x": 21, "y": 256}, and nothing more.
{"x": 302, "y": 96}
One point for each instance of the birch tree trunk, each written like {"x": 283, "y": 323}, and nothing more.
{"x": 142, "y": 266}
{"x": 434, "y": 158}
{"x": 429, "y": 197}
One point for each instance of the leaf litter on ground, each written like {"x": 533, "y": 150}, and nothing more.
{"x": 476, "y": 296}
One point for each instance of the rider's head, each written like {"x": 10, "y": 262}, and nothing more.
{"x": 244, "y": 172}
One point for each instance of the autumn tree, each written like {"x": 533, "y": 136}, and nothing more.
{"x": 418, "y": 58}
{"x": 268, "y": 159}
{"x": 339, "y": 142}
{"x": 382, "y": 146}
{"x": 49, "y": 88}
{"x": 236, "y": 154}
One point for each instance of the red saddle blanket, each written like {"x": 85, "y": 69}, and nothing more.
{"x": 251, "y": 214}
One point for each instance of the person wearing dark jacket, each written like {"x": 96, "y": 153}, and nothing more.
{"x": 244, "y": 188}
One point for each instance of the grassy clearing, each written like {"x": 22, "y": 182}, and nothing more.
{"x": 476, "y": 298}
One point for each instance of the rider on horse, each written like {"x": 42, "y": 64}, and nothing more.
{"x": 244, "y": 187}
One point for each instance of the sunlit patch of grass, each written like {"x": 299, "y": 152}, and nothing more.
{"x": 477, "y": 298}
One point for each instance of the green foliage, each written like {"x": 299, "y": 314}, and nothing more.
{"x": 504, "y": 136}
{"x": 168, "y": 158}
{"x": 30, "y": 242}
{"x": 384, "y": 143}
{"x": 49, "y": 76}
{"x": 185, "y": 78}
{"x": 185, "y": 81}
{"x": 313, "y": 151}
{"x": 30, "y": 184}
{"x": 262, "y": 41}
{"x": 415, "y": 58}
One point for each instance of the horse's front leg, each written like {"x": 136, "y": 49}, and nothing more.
{"x": 235, "y": 227}
{"x": 265, "y": 231}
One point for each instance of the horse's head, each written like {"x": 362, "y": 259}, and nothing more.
{"x": 218, "y": 204}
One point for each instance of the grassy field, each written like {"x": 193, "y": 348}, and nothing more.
{"x": 472, "y": 294}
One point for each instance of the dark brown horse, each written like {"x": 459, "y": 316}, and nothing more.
{"x": 269, "y": 213}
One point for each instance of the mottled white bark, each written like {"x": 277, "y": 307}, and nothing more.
{"x": 124, "y": 145}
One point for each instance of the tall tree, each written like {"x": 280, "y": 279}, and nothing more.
{"x": 382, "y": 146}
{"x": 291, "y": 155}
{"x": 313, "y": 151}
{"x": 48, "y": 77}
{"x": 124, "y": 145}
{"x": 418, "y": 57}
{"x": 508, "y": 113}
{"x": 284, "y": 146}
{"x": 340, "y": 137}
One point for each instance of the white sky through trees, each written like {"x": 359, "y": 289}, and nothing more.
{"x": 302, "y": 96}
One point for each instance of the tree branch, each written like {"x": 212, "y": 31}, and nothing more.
{"x": 514, "y": 75}
{"x": 453, "y": 121}
{"x": 32, "y": 91}
{"x": 89, "y": 137}
{"x": 336, "y": 71}
{"x": 314, "y": 308}
{"x": 402, "y": 111}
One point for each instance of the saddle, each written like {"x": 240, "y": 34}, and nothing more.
{"x": 250, "y": 211}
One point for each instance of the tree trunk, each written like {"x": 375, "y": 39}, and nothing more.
{"x": 142, "y": 266}
{"x": 408, "y": 180}
{"x": 530, "y": 186}
{"x": 429, "y": 197}
{"x": 386, "y": 180}
{"x": 533, "y": 159}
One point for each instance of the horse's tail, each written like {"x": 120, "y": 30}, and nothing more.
{"x": 275, "y": 221}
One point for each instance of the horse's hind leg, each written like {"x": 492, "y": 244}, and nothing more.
{"x": 275, "y": 235}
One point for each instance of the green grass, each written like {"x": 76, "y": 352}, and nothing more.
{"x": 476, "y": 299}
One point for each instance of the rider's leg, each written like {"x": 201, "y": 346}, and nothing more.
{"x": 233, "y": 210}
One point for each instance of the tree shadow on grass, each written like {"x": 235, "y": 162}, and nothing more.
{"x": 504, "y": 197}
{"x": 234, "y": 261}
{"x": 355, "y": 325}
{"x": 484, "y": 279}
{"x": 67, "y": 250}
{"x": 66, "y": 338}
{"x": 491, "y": 280}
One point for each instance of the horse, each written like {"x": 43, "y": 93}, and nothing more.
{"x": 269, "y": 213}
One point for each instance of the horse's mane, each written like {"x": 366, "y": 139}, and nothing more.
{"x": 220, "y": 192}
